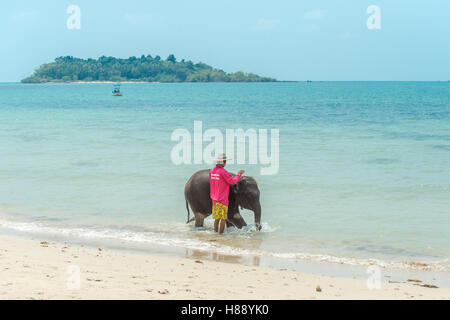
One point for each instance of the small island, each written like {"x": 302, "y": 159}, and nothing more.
{"x": 133, "y": 69}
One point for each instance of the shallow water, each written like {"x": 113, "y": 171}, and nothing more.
{"x": 363, "y": 177}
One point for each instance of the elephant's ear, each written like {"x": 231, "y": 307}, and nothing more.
{"x": 240, "y": 185}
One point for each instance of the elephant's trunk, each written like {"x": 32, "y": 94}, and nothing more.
{"x": 257, "y": 211}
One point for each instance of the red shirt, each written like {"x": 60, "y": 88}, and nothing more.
{"x": 220, "y": 179}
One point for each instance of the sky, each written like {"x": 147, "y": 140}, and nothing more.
{"x": 284, "y": 39}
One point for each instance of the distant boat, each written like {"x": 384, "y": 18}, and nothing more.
{"x": 116, "y": 92}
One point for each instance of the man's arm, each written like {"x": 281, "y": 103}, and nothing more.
{"x": 229, "y": 179}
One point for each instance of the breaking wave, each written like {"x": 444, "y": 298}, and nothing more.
{"x": 184, "y": 236}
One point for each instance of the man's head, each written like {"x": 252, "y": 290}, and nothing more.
{"x": 221, "y": 160}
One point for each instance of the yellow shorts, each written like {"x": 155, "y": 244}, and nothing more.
{"x": 219, "y": 211}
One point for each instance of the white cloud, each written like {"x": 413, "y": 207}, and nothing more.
{"x": 267, "y": 24}
{"x": 315, "y": 14}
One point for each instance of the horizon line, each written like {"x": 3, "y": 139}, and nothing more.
{"x": 307, "y": 80}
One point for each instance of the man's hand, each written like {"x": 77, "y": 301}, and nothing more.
{"x": 241, "y": 172}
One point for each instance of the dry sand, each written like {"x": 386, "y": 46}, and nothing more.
{"x": 35, "y": 269}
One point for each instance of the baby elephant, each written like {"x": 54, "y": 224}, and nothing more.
{"x": 244, "y": 194}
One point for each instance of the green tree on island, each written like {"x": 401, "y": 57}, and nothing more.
{"x": 145, "y": 68}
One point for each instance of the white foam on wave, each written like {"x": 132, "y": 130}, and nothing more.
{"x": 179, "y": 237}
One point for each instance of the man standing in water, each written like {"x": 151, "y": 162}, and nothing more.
{"x": 220, "y": 179}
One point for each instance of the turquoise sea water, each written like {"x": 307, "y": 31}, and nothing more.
{"x": 364, "y": 172}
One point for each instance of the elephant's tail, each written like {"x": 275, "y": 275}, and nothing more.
{"x": 189, "y": 214}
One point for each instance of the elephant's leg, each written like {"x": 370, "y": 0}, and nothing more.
{"x": 232, "y": 213}
{"x": 237, "y": 220}
{"x": 199, "y": 219}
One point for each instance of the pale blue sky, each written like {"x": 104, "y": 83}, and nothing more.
{"x": 288, "y": 40}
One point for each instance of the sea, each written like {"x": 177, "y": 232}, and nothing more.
{"x": 363, "y": 176}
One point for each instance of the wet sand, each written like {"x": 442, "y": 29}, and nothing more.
{"x": 36, "y": 269}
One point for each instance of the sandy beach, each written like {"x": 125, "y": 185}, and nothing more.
{"x": 36, "y": 269}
